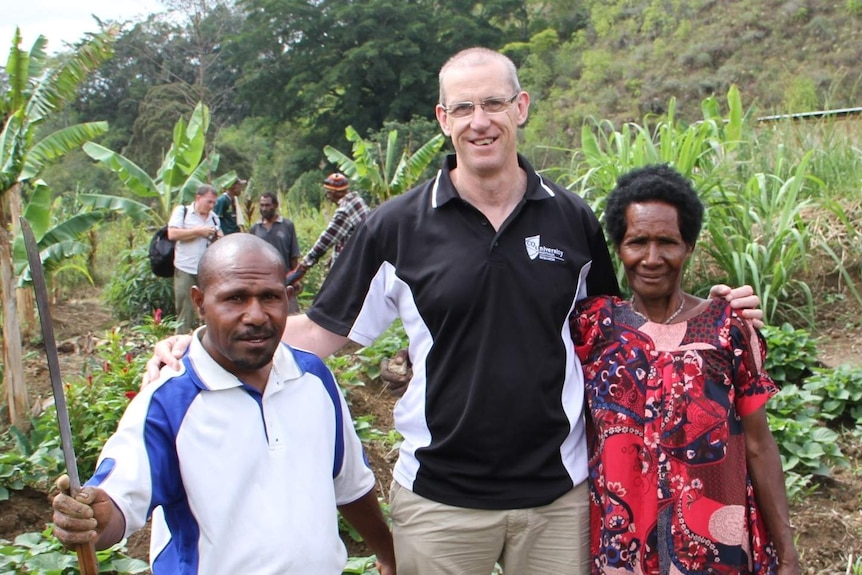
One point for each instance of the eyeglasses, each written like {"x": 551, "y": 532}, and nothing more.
{"x": 488, "y": 105}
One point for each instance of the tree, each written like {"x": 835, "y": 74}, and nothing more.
{"x": 163, "y": 66}
{"x": 32, "y": 93}
{"x": 344, "y": 62}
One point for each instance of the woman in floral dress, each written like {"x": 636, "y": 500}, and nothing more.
{"x": 685, "y": 476}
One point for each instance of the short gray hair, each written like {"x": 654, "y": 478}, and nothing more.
{"x": 204, "y": 190}
{"x": 474, "y": 57}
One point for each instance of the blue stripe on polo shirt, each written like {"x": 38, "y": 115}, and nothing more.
{"x": 168, "y": 408}
{"x": 310, "y": 363}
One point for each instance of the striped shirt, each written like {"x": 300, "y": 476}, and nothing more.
{"x": 352, "y": 211}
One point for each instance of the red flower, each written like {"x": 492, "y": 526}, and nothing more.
{"x": 107, "y": 366}
{"x": 128, "y": 358}
{"x": 90, "y": 379}
{"x": 157, "y": 316}
{"x": 130, "y": 395}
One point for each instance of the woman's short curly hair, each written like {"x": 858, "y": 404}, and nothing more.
{"x": 659, "y": 183}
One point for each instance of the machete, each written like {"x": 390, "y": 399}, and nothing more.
{"x": 87, "y": 562}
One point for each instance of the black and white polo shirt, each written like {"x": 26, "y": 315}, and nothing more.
{"x": 493, "y": 418}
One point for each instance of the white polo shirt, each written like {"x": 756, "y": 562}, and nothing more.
{"x": 247, "y": 483}
{"x": 188, "y": 253}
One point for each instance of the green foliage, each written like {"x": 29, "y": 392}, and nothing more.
{"x": 792, "y": 354}
{"x": 801, "y": 96}
{"x": 374, "y": 169}
{"x": 134, "y": 292}
{"x": 757, "y": 236}
{"x": 806, "y": 447}
{"x": 840, "y": 391}
{"x": 42, "y": 554}
{"x": 855, "y": 8}
{"x": 33, "y": 93}
{"x": 360, "y": 566}
{"x": 309, "y": 223}
{"x": 364, "y": 364}
{"x": 97, "y": 402}
{"x": 357, "y": 63}
{"x": 58, "y": 241}
{"x": 697, "y": 151}
{"x": 30, "y": 460}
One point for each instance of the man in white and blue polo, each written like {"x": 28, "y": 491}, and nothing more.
{"x": 247, "y": 451}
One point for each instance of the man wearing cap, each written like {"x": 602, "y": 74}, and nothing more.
{"x": 226, "y": 207}
{"x": 352, "y": 211}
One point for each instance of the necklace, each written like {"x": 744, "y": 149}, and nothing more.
{"x": 668, "y": 320}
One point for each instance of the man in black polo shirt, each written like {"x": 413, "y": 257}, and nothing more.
{"x": 483, "y": 264}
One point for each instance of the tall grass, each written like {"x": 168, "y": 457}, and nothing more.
{"x": 756, "y": 235}
{"x": 767, "y": 199}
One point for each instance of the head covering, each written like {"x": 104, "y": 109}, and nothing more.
{"x": 336, "y": 181}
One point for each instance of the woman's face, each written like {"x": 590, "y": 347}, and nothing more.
{"x": 652, "y": 250}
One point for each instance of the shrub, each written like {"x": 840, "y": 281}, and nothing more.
{"x": 840, "y": 391}
{"x": 806, "y": 447}
{"x": 42, "y": 554}
{"x": 133, "y": 292}
{"x": 792, "y": 354}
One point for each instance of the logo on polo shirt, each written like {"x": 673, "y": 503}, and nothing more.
{"x": 535, "y": 249}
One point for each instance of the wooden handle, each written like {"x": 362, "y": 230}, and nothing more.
{"x": 87, "y": 562}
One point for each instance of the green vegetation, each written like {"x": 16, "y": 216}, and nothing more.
{"x": 42, "y": 554}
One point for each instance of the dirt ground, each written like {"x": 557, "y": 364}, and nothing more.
{"x": 828, "y": 523}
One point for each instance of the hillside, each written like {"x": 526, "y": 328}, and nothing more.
{"x": 786, "y": 57}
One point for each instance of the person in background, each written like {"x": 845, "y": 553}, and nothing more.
{"x": 483, "y": 264}
{"x": 278, "y": 232}
{"x": 193, "y": 228}
{"x": 350, "y": 213}
{"x": 248, "y": 450}
{"x": 685, "y": 476}
{"x": 227, "y": 208}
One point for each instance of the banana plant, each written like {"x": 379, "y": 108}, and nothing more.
{"x": 375, "y": 170}
{"x": 34, "y": 90}
{"x": 183, "y": 170}
{"x": 58, "y": 244}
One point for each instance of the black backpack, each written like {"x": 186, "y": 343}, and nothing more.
{"x": 162, "y": 252}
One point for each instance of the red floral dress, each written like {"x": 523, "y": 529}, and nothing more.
{"x": 670, "y": 491}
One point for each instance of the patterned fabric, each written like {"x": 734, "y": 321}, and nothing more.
{"x": 351, "y": 212}
{"x": 669, "y": 488}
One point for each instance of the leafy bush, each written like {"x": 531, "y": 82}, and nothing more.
{"x": 30, "y": 460}
{"x": 42, "y": 554}
{"x": 134, "y": 292}
{"x": 96, "y": 401}
{"x": 792, "y": 354}
{"x": 840, "y": 391}
{"x": 806, "y": 447}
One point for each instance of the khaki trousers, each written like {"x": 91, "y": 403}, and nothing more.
{"x": 186, "y": 314}
{"x": 436, "y": 539}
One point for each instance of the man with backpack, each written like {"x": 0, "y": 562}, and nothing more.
{"x": 193, "y": 228}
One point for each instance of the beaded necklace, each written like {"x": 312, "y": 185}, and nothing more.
{"x": 668, "y": 320}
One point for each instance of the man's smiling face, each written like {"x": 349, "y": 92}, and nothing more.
{"x": 483, "y": 142}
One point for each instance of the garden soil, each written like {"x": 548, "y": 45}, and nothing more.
{"x": 828, "y": 523}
